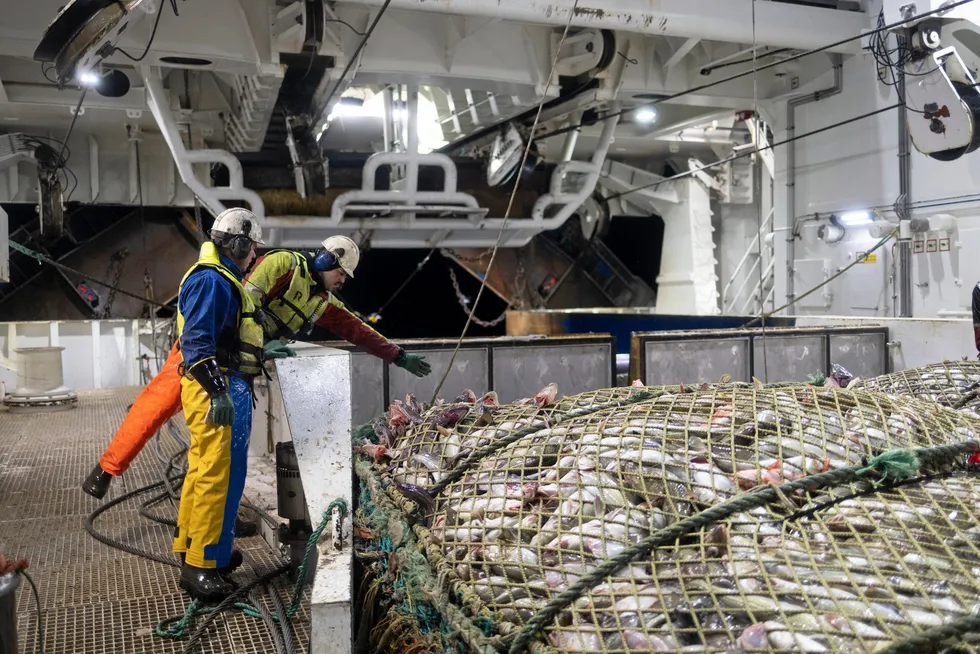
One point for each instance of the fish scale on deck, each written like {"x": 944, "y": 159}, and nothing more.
{"x": 833, "y": 570}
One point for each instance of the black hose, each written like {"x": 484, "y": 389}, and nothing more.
{"x": 169, "y": 522}
{"x": 283, "y": 643}
{"x": 39, "y": 642}
{"x": 262, "y": 513}
{"x": 90, "y": 525}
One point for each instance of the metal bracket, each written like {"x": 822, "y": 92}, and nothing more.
{"x": 588, "y": 173}
{"x": 289, "y": 27}
{"x": 184, "y": 159}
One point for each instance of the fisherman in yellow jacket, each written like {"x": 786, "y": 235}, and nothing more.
{"x": 221, "y": 342}
{"x": 296, "y": 292}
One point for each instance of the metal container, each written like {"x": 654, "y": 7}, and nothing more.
{"x": 40, "y": 382}
{"x": 8, "y": 612}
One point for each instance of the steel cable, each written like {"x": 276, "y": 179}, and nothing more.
{"x": 258, "y": 602}
{"x": 285, "y": 623}
{"x": 510, "y": 205}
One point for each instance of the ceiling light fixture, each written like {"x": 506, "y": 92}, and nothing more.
{"x": 88, "y": 78}
{"x": 645, "y": 115}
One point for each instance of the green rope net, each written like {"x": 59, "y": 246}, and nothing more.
{"x": 723, "y": 518}
{"x": 954, "y": 384}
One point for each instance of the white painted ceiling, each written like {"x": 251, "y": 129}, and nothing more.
{"x": 418, "y": 42}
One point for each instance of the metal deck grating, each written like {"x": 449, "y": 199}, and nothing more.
{"x": 95, "y": 598}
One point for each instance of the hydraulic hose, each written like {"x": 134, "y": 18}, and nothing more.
{"x": 90, "y": 524}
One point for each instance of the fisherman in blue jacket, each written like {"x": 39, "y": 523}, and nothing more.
{"x": 221, "y": 340}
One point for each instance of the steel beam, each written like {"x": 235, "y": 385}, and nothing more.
{"x": 778, "y": 24}
{"x": 680, "y": 53}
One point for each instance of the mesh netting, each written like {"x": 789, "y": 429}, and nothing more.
{"x": 950, "y": 383}
{"x": 529, "y": 499}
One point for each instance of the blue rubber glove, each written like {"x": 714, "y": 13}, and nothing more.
{"x": 414, "y": 363}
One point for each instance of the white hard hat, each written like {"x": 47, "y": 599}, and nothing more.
{"x": 237, "y": 221}
{"x": 345, "y": 250}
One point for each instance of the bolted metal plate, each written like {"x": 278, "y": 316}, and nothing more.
{"x": 316, "y": 393}
{"x": 789, "y": 358}
{"x": 696, "y": 360}
{"x": 863, "y": 355}
{"x": 520, "y": 372}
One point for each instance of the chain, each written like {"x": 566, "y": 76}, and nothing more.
{"x": 116, "y": 260}
{"x": 201, "y": 237}
{"x": 465, "y": 301}
{"x": 41, "y": 258}
{"x": 450, "y": 253}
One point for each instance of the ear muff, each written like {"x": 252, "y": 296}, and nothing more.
{"x": 242, "y": 243}
{"x": 326, "y": 261}
{"x": 240, "y": 246}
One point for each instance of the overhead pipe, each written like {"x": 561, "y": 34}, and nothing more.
{"x": 184, "y": 159}
{"x": 777, "y": 23}
{"x": 791, "y": 106}
{"x": 904, "y": 201}
{"x": 412, "y": 123}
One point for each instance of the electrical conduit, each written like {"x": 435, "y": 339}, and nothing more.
{"x": 791, "y": 106}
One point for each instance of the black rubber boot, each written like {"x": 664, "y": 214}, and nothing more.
{"x": 205, "y": 584}
{"x": 245, "y": 528}
{"x": 97, "y": 483}
{"x": 234, "y": 562}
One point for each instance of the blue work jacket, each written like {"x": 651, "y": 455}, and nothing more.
{"x": 210, "y": 308}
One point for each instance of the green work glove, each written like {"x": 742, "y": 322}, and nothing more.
{"x": 277, "y": 350}
{"x": 414, "y": 363}
{"x": 222, "y": 411}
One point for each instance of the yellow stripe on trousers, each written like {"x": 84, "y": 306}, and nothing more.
{"x": 205, "y": 491}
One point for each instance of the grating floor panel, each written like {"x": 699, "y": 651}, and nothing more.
{"x": 96, "y": 598}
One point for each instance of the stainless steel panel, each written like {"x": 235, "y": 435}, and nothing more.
{"x": 789, "y": 358}
{"x": 690, "y": 361}
{"x": 864, "y": 355}
{"x": 520, "y": 372}
{"x": 367, "y": 386}
{"x": 469, "y": 371}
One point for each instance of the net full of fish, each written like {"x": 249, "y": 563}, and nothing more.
{"x": 946, "y": 383}
{"x": 842, "y": 569}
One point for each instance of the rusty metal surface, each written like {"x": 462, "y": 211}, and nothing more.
{"x": 97, "y": 599}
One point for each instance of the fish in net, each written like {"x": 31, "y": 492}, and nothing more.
{"x": 950, "y": 383}
{"x": 851, "y": 568}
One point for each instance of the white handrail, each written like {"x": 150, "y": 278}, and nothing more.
{"x": 745, "y": 280}
{"x": 749, "y": 301}
{"x": 751, "y": 249}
